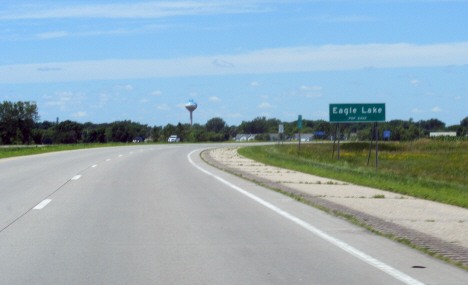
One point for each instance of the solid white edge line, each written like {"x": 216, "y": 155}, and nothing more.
{"x": 42, "y": 204}
{"x": 344, "y": 246}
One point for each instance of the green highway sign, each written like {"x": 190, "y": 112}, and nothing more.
{"x": 355, "y": 113}
{"x": 299, "y": 122}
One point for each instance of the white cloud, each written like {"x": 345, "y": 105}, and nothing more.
{"x": 265, "y": 105}
{"x": 222, "y": 63}
{"x": 51, "y": 35}
{"x": 143, "y": 101}
{"x": 254, "y": 83}
{"x": 163, "y": 107}
{"x": 214, "y": 99}
{"x": 55, "y": 103}
{"x": 417, "y": 111}
{"x": 156, "y": 93}
{"x": 79, "y": 115}
{"x": 267, "y": 61}
{"x": 124, "y": 87}
{"x": 264, "y": 96}
{"x": 415, "y": 82}
{"x": 64, "y": 99}
{"x": 452, "y": 96}
{"x": 151, "y": 9}
{"x": 436, "y": 109}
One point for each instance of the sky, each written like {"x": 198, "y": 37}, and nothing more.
{"x": 102, "y": 61}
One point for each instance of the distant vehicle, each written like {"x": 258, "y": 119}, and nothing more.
{"x": 138, "y": 140}
{"x": 173, "y": 139}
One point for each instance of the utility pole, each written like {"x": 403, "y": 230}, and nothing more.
{"x": 419, "y": 129}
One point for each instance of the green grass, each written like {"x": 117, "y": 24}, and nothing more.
{"x": 13, "y": 151}
{"x": 429, "y": 169}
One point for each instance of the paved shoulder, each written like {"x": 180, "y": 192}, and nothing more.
{"x": 439, "y": 227}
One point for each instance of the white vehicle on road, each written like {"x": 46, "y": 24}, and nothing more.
{"x": 173, "y": 138}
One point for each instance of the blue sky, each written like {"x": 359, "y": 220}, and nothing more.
{"x": 103, "y": 61}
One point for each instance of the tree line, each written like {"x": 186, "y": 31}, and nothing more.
{"x": 19, "y": 124}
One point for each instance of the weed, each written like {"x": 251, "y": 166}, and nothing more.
{"x": 430, "y": 169}
{"x": 378, "y": 197}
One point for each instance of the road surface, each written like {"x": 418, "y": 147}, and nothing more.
{"x": 157, "y": 214}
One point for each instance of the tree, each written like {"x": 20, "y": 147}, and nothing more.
{"x": 155, "y": 133}
{"x": 97, "y": 135}
{"x": 464, "y": 122}
{"x": 179, "y": 131}
{"x": 17, "y": 121}
{"x": 122, "y": 132}
{"x": 167, "y": 131}
{"x": 215, "y": 125}
{"x": 68, "y": 132}
{"x": 256, "y": 126}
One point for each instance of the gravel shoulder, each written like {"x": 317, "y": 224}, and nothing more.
{"x": 441, "y": 228}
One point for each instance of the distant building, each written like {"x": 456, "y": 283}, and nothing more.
{"x": 304, "y": 137}
{"x": 245, "y": 137}
{"x": 442, "y": 134}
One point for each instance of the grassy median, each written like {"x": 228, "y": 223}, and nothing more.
{"x": 11, "y": 151}
{"x": 428, "y": 169}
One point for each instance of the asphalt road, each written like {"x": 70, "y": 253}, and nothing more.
{"x": 150, "y": 214}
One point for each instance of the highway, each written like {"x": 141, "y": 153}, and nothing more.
{"x": 157, "y": 214}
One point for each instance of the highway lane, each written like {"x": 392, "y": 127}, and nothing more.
{"x": 148, "y": 214}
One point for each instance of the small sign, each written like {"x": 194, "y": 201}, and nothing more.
{"x": 299, "y": 122}
{"x": 281, "y": 129}
{"x": 366, "y": 112}
{"x": 386, "y": 134}
{"x": 319, "y": 133}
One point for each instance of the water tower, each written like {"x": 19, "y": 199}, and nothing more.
{"x": 191, "y": 106}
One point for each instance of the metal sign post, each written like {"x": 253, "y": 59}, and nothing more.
{"x": 281, "y": 131}
{"x": 359, "y": 113}
{"x": 338, "y": 147}
{"x": 299, "y": 127}
{"x": 376, "y": 145}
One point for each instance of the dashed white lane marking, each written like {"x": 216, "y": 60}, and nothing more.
{"x": 341, "y": 244}
{"x": 108, "y": 159}
{"x": 76, "y": 177}
{"x": 93, "y": 166}
{"x": 120, "y": 155}
{"x": 42, "y": 204}
{"x": 131, "y": 152}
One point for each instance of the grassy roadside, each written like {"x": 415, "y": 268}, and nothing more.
{"x": 426, "y": 169}
{"x": 6, "y": 152}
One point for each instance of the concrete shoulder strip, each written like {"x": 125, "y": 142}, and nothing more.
{"x": 344, "y": 246}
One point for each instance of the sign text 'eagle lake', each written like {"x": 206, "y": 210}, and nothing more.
{"x": 348, "y": 113}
